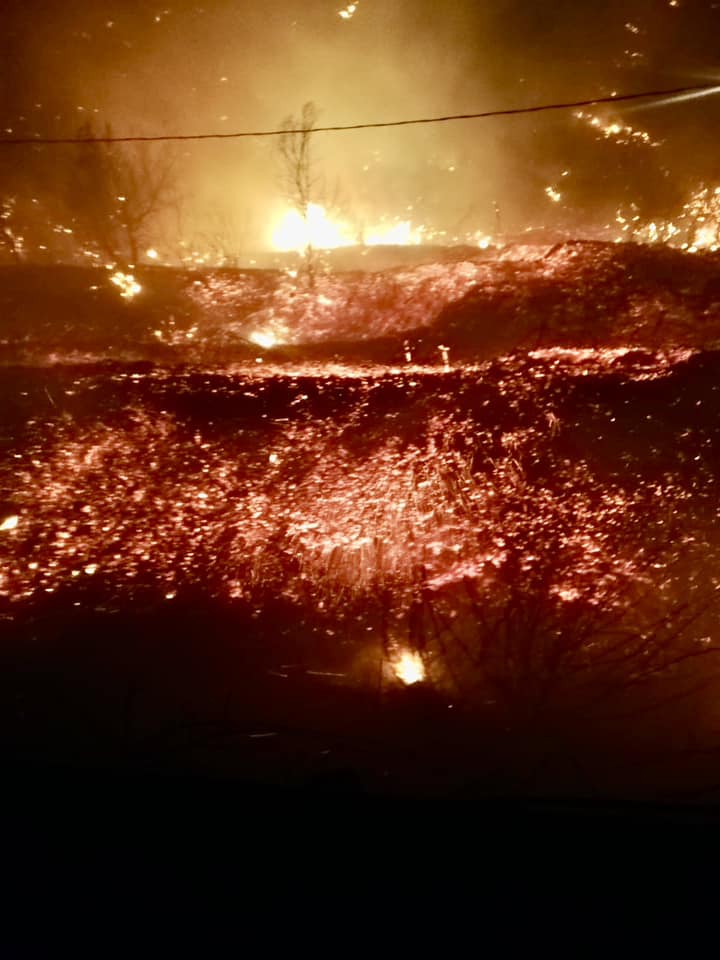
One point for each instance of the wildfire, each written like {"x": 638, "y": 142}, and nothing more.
{"x": 409, "y": 668}
{"x": 128, "y": 285}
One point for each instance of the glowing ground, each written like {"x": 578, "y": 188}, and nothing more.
{"x": 534, "y": 538}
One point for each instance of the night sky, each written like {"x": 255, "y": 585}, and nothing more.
{"x": 220, "y": 66}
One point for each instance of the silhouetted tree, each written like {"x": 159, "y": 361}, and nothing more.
{"x": 299, "y": 180}
{"x": 116, "y": 191}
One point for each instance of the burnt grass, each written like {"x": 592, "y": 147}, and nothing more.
{"x": 97, "y": 678}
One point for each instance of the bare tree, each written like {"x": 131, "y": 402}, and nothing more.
{"x": 300, "y": 183}
{"x": 116, "y": 191}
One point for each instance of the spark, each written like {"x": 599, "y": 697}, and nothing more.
{"x": 677, "y": 98}
{"x": 152, "y": 253}
{"x": 347, "y": 12}
{"x": 9, "y": 523}
{"x": 553, "y": 194}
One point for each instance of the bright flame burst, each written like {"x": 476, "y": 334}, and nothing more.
{"x": 298, "y": 232}
{"x": 264, "y": 339}
{"x": 410, "y": 668}
{"x": 316, "y": 229}
{"x": 128, "y": 285}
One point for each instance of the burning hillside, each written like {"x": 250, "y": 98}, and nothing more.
{"x": 564, "y": 294}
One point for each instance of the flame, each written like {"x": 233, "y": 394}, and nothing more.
{"x": 129, "y": 287}
{"x": 264, "y": 339}
{"x": 695, "y": 228}
{"x": 294, "y": 232}
{"x": 410, "y": 668}
{"x": 316, "y": 229}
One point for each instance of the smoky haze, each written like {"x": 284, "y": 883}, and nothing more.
{"x": 223, "y": 66}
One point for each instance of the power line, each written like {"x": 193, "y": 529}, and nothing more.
{"x": 512, "y": 111}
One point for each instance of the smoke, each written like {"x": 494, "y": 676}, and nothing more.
{"x": 223, "y": 65}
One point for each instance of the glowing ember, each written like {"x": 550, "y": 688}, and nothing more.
{"x": 152, "y": 253}
{"x": 9, "y": 523}
{"x": 410, "y": 668}
{"x": 554, "y": 195}
{"x": 128, "y": 285}
{"x": 620, "y": 133}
